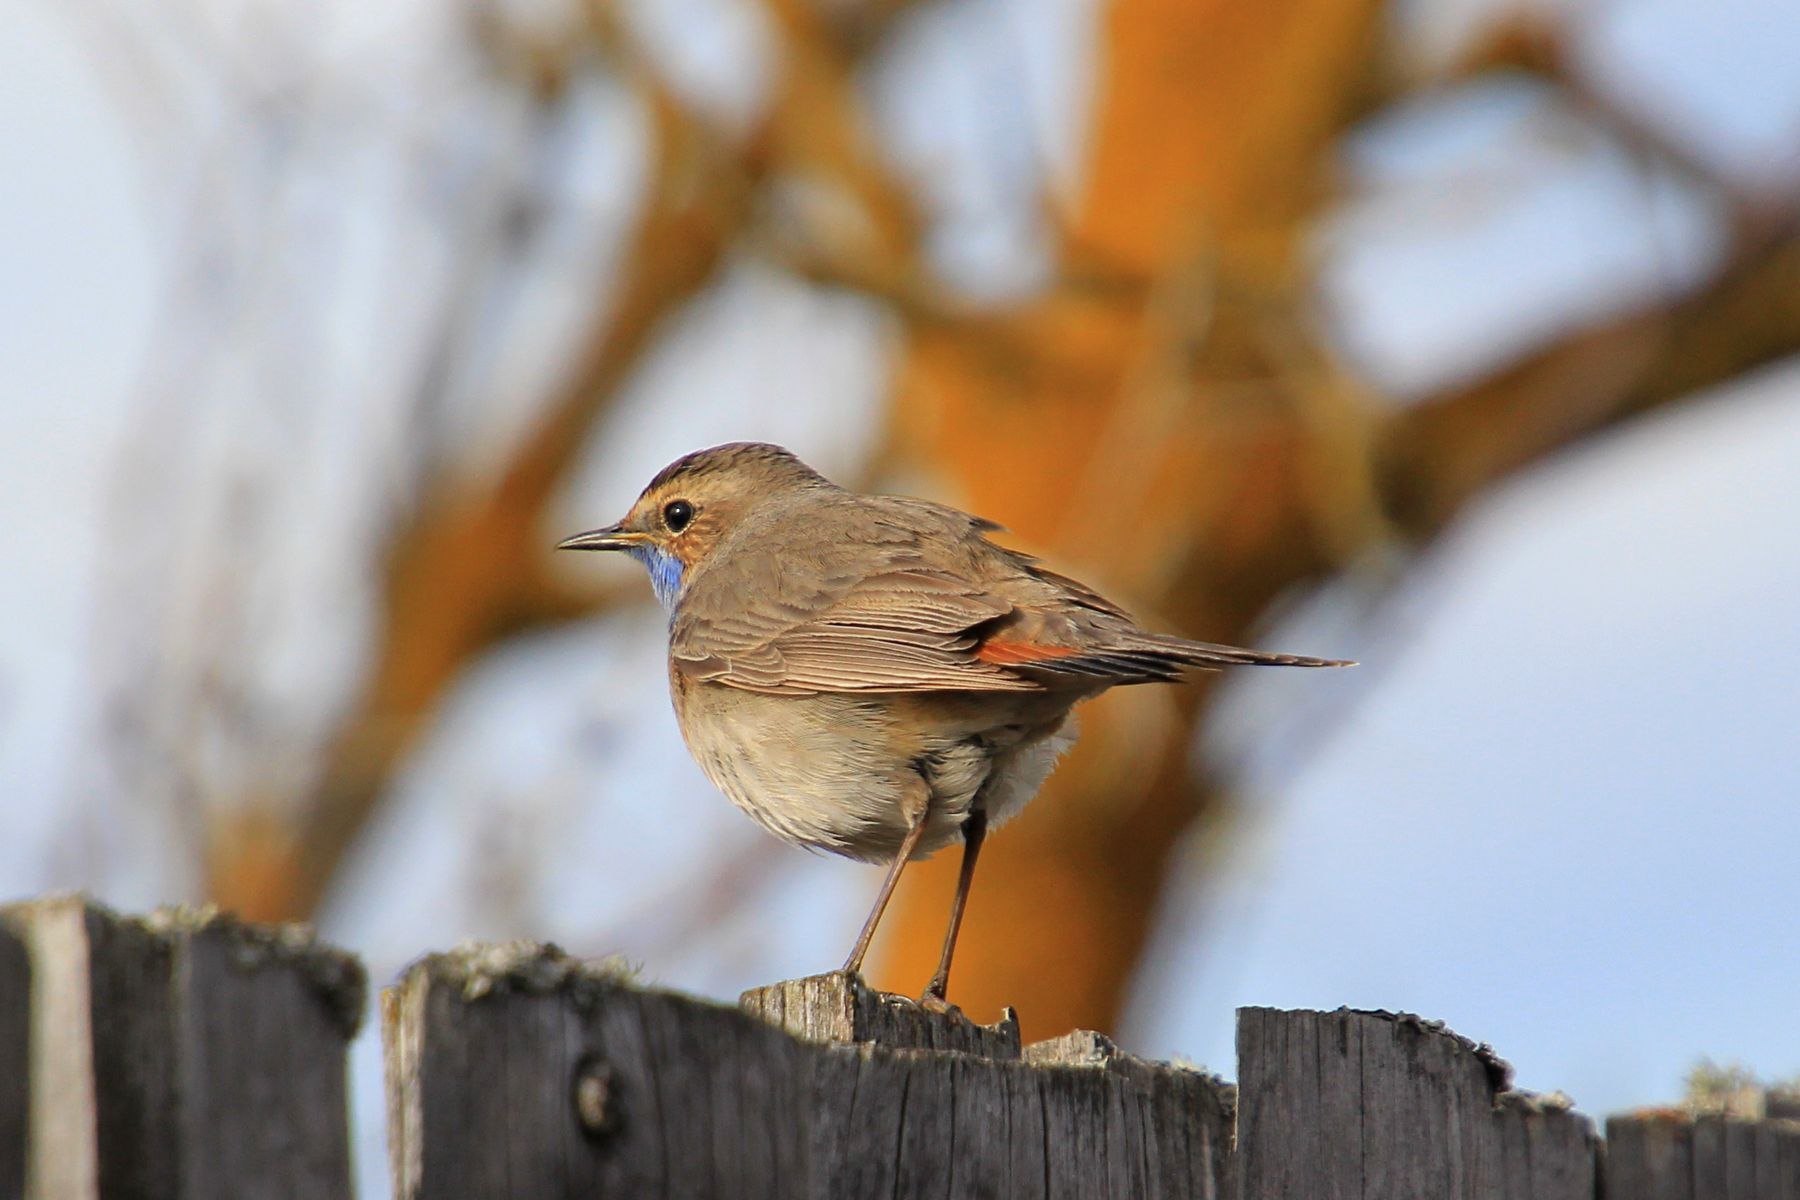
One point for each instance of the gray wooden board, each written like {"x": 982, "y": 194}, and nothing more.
{"x": 15, "y": 1051}
{"x": 1672, "y": 1155}
{"x": 191, "y": 1056}
{"x": 486, "y": 1053}
{"x": 186, "y": 1055}
{"x": 839, "y": 1007}
{"x": 1777, "y": 1150}
{"x": 705, "y": 1101}
{"x": 1545, "y": 1149}
{"x": 1183, "y": 1100}
{"x": 131, "y": 976}
{"x": 1363, "y": 1105}
{"x": 261, "y": 1069}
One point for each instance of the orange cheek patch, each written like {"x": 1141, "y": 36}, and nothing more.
{"x": 1009, "y": 653}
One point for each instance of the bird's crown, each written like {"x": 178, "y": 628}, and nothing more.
{"x": 761, "y": 462}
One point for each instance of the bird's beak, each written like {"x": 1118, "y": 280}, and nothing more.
{"x": 613, "y": 537}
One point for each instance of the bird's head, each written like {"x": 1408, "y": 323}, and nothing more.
{"x": 692, "y": 504}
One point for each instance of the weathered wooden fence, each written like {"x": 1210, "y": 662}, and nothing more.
{"x": 192, "y": 1056}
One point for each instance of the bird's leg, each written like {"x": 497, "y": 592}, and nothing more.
{"x": 973, "y": 830}
{"x": 853, "y": 964}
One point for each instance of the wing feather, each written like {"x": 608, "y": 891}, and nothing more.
{"x": 887, "y": 595}
{"x": 861, "y": 606}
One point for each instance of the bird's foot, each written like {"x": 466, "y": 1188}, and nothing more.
{"x": 934, "y": 1001}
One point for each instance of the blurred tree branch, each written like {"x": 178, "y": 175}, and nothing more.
{"x": 469, "y": 566}
{"x": 1534, "y": 45}
{"x": 1437, "y": 457}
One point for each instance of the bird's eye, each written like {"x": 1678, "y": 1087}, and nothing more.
{"x": 677, "y": 515}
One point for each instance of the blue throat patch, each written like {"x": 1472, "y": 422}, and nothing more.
{"x": 665, "y": 574}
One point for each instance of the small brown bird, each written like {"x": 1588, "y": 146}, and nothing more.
{"x": 871, "y": 675}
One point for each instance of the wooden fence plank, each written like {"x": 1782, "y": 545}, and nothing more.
{"x": 518, "y": 1071}
{"x": 15, "y": 1050}
{"x": 615, "y": 1091}
{"x": 1650, "y": 1156}
{"x": 130, "y": 1002}
{"x": 60, "y": 1160}
{"x": 838, "y": 1008}
{"x": 187, "y": 1055}
{"x": 264, "y": 1018}
{"x": 190, "y": 1056}
{"x": 1669, "y": 1154}
{"x": 1778, "y": 1160}
{"x": 1191, "y": 1116}
{"x": 1711, "y": 1178}
{"x": 1546, "y": 1150}
{"x": 1361, "y": 1105}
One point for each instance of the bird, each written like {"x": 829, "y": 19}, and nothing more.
{"x": 872, "y": 675}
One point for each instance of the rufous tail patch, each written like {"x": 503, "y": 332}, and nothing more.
{"x": 1003, "y": 653}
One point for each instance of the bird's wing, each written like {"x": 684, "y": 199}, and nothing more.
{"x": 1121, "y": 654}
{"x": 906, "y": 596}
{"x": 878, "y": 621}
{"x": 1064, "y": 634}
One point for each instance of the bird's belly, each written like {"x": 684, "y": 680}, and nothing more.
{"x": 819, "y": 771}
{"x": 837, "y": 772}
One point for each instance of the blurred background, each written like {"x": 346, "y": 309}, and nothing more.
{"x": 1461, "y": 337}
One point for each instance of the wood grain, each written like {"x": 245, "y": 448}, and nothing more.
{"x": 839, "y": 1007}
{"x": 15, "y": 1050}
{"x": 186, "y": 1055}
{"x": 490, "y": 1052}
{"x": 1668, "y": 1154}
{"x": 191, "y": 1056}
{"x": 1356, "y": 1105}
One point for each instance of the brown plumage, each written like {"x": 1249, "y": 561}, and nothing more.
{"x": 871, "y": 675}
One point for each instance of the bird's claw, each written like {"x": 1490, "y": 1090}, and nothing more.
{"x": 933, "y": 1001}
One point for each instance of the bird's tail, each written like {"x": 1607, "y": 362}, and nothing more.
{"x": 1210, "y": 654}
{"x": 1138, "y": 656}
